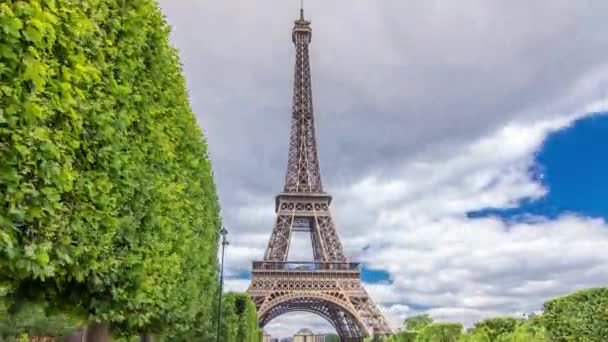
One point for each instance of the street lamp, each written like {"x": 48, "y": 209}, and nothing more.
{"x": 223, "y": 233}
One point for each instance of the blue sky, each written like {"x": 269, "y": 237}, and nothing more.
{"x": 572, "y": 165}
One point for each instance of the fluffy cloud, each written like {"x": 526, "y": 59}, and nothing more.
{"x": 486, "y": 266}
{"x": 461, "y": 268}
{"x": 426, "y": 110}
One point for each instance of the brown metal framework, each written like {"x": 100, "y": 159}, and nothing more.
{"x": 329, "y": 286}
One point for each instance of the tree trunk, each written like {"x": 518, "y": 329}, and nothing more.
{"x": 77, "y": 336}
{"x": 145, "y": 338}
{"x": 97, "y": 332}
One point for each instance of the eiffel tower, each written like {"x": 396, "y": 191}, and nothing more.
{"x": 330, "y": 286}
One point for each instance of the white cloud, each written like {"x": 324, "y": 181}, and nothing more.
{"x": 235, "y": 285}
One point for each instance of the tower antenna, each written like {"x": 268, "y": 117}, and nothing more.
{"x": 301, "y": 9}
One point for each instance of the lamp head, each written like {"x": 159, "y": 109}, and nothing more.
{"x": 223, "y": 232}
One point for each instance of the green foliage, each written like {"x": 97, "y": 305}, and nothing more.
{"x": 239, "y": 319}
{"x": 581, "y": 316}
{"x": 107, "y": 201}
{"x": 497, "y": 326}
{"x": 530, "y": 330}
{"x": 129, "y": 339}
{"x": 439, "y": 332}
{"x": 402, "y": 336}
{"x": 417, "y": 322}
{"x": 406, "y": 336}
{"x": 476, "y": 335}
{"x": 249, "y": 330}
{"x": 427, "y": 332}
{"x": 332, "y": 338}
{"x": 36, "y": 320}
{"x": 502, "y": 329}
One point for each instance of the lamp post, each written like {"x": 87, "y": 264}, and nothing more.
{"x": 223, "y": 233}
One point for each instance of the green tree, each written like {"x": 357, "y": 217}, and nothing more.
{"x": 476, "y": 335}
{"x": 34, "y": 319}
{"x": 239, "y": 319}
{"x": 497, "y": 326}
{"x": 530, "y": 330}
{"x": 332, "y": 338}
{"x": 403, "y": 336}
{"x": 581, "y": 316}
{"x": 248, "y": 329}
{"x": 506, "y": 329}
{"x": 417, "y": 322}
{"x": 107, "y": 201}
{"x": 439, "y": 332}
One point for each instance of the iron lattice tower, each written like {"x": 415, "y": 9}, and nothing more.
{"x": 330, "y": 286}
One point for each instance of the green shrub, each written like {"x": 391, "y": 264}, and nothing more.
{"x": 581, "y": 316}
{"x": 249, "y": 330}
{"x": 497, "y": 326}
{"x": 528, "y": 331}
{"x": 476, "y": 335}
{"x": 35, "y": 319}
{"x": 417, "y": 322}
{"x": 404, "y": 336}
{"x": 440, "y": 332}
{"x": 107, "y": 201}
{"x": 332, "y": 338}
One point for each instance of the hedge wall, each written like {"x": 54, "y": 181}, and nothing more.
{"x": 107, "y": 201}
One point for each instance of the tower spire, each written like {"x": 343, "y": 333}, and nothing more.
{"x": 303, "y": 174}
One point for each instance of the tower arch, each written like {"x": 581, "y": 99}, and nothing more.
{"x": 333, "y": 307}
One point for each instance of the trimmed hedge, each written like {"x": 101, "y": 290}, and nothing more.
{"x": 582, "y": 316}
{"x": 107, "y": 200}
{"x": 239, "y": 319}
